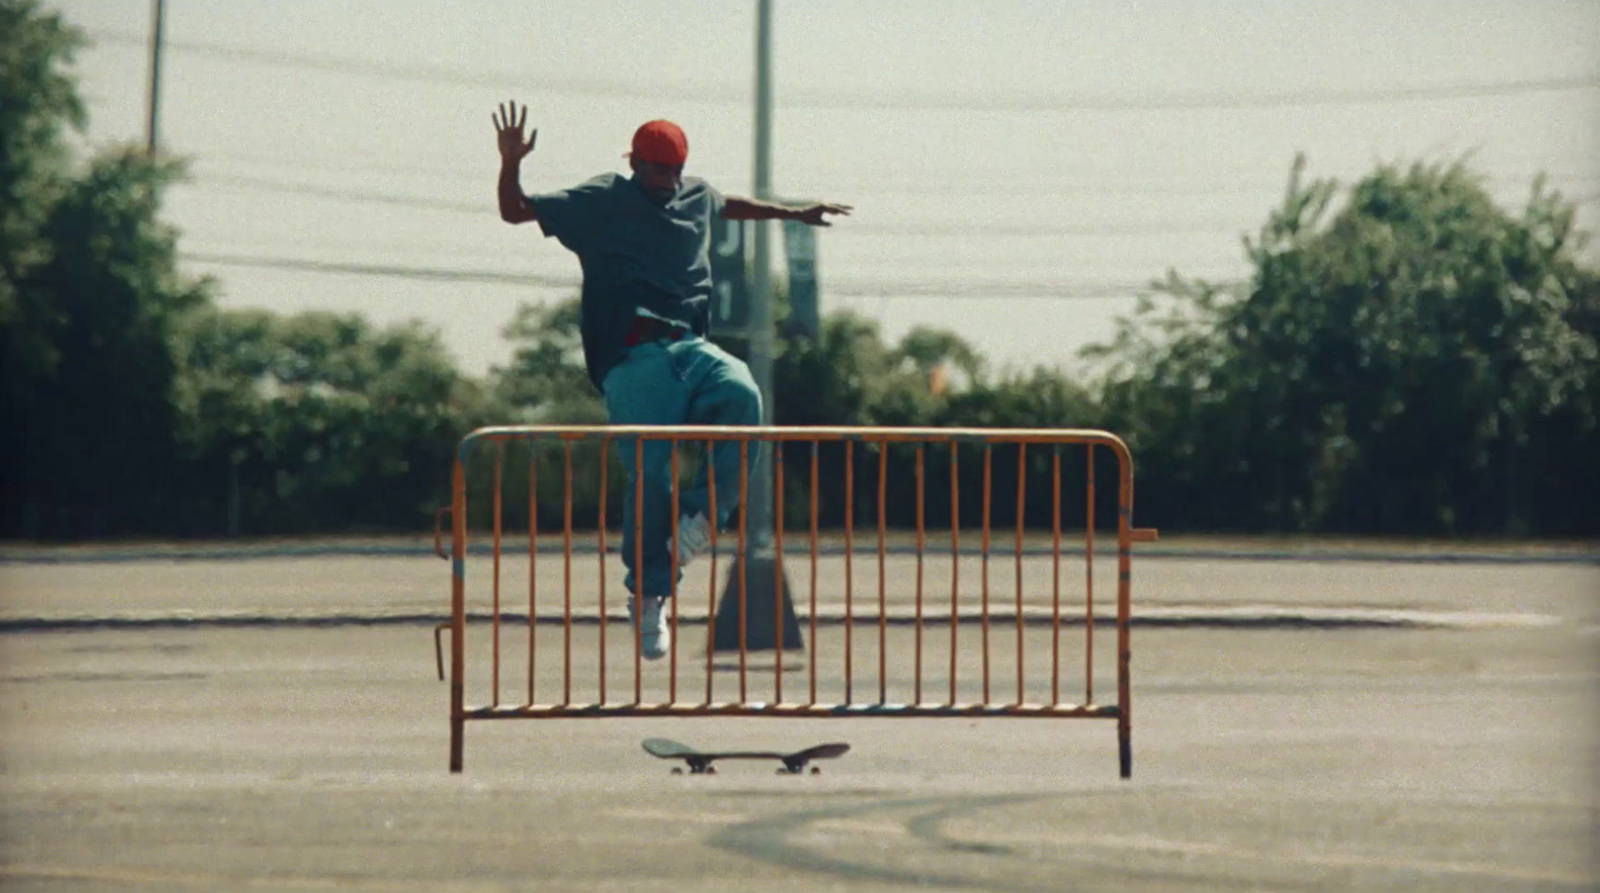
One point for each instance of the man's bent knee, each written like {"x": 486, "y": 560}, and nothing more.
{"x": 734, "y": 398}
{"x": 747, "y": 405}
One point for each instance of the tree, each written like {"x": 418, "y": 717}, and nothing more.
{"x": 37, "y": 101}
{"x": 99, "y": 437}
{"x": 934, "y": 352}
{"x": 546, "y": 381}
{"x": 320, "y": 421}
{"x": 89, "y": 302}
{"x": 1388, "y": 367}
{"x": 849, "y": 377}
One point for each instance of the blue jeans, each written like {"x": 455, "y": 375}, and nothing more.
{"x": 687, "y": 382}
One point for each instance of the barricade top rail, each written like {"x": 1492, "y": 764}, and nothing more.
{"x": 792, "y": 433}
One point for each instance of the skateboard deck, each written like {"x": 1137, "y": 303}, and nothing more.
{"x": 700, "y": 762}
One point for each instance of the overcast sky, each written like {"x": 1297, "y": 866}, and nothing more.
{"x": 1019, "y": 169}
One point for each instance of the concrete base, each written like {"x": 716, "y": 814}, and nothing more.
{"x": 764, "y": 583}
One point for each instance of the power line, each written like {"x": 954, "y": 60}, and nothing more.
{"x": 422, "y": 73}
{"x": 350, "y": 195}
{"x": 987, "y": 289}
{"x": 1227, "y": 182}
{"x": 862, "y": 228}
{"x": 1210, "y": 101}
{"x": 272, "y": 184}
{"x": 349, "y": 268}
{"x": 1047, "y": 230}
{"x": 1031, "y": 102}
{"x": 301, "y": 163}
{"x": 964, "y": 289}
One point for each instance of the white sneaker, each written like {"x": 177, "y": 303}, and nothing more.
{"x": 654, "y": 636}
{"x": 694, "y": 538}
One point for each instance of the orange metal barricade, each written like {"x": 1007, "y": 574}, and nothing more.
{"x": 830, "y": 652}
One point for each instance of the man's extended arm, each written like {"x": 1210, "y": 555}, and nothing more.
{"x": 514, "y": 206}
{"x": 754, "y": 209}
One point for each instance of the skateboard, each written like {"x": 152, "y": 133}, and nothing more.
{"x": 700, "y": 763}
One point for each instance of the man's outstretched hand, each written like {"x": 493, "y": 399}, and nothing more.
{"x": 813, "y": 214}
{"x": 508, "y": 131}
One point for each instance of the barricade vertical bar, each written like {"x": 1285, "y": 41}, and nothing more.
{"x": 744, "y": 570}
{"x": 988, "y": 498}
{"x": 1022, "y": 482}
{"x": 777, "y": 571}
{"x": 499, "y": 461}
{"x": 849, "y": 569}
{"x": 1124, "y": 590}
{"x": 955, "y": 561}
{"x": 600, "y": 530}
{"x": 566, "y": 594}
{"x": 1088, "y": 570}
{"x": 883, "y": 590}
{"x": 1055, "y": 576}
{"x": 921, "y": 547}
{"x": 533, "y": 560}
{"x": 458, "y": 609}
{"x": 638, "y": 570}
{"x": 709, "y": 458}
{"x": 672, "y": 582}
{"x": 812, "y": 663}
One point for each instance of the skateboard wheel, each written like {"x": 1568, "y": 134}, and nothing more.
{"x": 711, "y": 770}
{"x": 677, "y": 770}
{"x": 816, "y": 770}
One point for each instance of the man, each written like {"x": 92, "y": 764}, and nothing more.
{"x": 642, "y": 244}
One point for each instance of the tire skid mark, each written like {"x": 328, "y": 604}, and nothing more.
{"x": 767, "y": 839}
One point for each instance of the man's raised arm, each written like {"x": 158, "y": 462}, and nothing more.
{"x": 514, "y": 207}
{"x": 754, "y": 209}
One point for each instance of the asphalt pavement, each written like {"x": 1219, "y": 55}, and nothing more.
{"x": 221, "y": 736}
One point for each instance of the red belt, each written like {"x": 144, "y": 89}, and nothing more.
{"x": 648, "y": 328}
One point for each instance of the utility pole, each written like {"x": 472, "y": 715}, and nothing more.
{"x": 757, "y": 577}
{"x": 158, "y": 14}
{"x": 761, "y": 334}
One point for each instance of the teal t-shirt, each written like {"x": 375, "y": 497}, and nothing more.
{"x": 635, "y": 252}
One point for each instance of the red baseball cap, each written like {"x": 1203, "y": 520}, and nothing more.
{"x": 660, "y": 141}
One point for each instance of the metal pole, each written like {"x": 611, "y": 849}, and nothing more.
{"x": 761, "y": 327}
{"x": 157, "y": 13}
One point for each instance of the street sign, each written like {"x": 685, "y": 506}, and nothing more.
{"x": 800, "y": 246}
{"x": 730, "y": 291}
